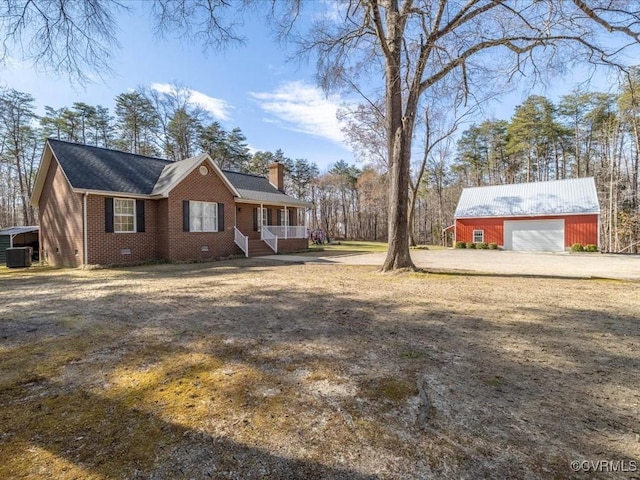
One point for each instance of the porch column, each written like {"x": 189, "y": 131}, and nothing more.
{"x": 306, "y": 222}
{"x": 286, "y": 222}
{"x": 260, "y": 217}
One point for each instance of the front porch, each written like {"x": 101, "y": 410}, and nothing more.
{"x": 263, "y": 229}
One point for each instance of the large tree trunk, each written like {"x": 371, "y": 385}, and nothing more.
{"x": 412, "y": 217}
{"x": 634, "y": 183}
{"x": 398, "y": 256}
{"x": 399, "y": 133}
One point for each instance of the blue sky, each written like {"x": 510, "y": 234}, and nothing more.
{"x": 275, "y": 102}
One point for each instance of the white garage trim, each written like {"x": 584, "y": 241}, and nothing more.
{"x": 534, "y": 235}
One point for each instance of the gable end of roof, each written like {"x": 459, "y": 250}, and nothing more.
{"x": 175, "y": 172}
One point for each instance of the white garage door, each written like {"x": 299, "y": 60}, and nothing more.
{"x": 537, "y": 235}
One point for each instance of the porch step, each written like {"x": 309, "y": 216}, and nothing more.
{"x": 258, "y": 248}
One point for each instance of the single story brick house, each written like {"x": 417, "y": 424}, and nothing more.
{"x": 538, "y": 216}
{"x": 101, "y": 206}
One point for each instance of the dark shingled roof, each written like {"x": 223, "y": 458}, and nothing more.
{"x": 246, "y": 181}
{"x": 259, "y": 189}
{"x": 94, "y": 168}
{"x": 101, "y": 169}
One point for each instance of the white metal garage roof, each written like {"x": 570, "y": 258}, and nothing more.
{"x": 558, "y": 197}
{"x": 18, "y": 230}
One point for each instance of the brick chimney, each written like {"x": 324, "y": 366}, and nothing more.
{"x": 276, "y": 175}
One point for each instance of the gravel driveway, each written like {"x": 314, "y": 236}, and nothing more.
{"x": 582, "y": 265}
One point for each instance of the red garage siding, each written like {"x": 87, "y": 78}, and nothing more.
{"x": 493, "y": 229}
{"x": 577, "y": 228}
{"x": 580, "y": 229}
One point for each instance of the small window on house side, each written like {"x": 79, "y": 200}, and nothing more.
{"x": 478, "y": 236}
{"x": 203, "y": 217}
{"x": 124, "y": 215}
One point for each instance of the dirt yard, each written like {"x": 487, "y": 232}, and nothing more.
{"x": 251, "y": 369}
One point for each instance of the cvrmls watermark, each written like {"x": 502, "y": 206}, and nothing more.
{"x": 601, "y": 466}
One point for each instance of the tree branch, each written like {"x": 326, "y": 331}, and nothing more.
{"x": 605, "y": 24}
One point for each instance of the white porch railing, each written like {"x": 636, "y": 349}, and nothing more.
{"x": 242, "y": 241}
{"x": 287, "y": 232}
{"x": 269, "y": 238}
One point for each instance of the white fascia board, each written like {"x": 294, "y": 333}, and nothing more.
{"x": 529, "y": 215}
{"x": 269, "y": 202}
{"x": 108, "y": 193}
{"x": 41, "y": 176}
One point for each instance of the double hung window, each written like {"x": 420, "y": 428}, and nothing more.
{"x": 124, "y": 215}
{"x": 203, "y": 217}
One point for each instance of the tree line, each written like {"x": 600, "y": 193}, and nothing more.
{"x": 144, "y": 122}
{"x": 584, "y": 134}
{"x": 168, "y": 125}
{"x": 411, "y": 50}
{"x": 349, "y": 202}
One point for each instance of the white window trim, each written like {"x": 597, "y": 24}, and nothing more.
{"x": 135, "y": 226}
{"x": 474, "y": 236}
{"x": 284, "y": 217}
{"x": 263, "y": 217}
{"x": 202, "y": 230}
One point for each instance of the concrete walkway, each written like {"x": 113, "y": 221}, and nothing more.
{"x": 582, "y": 265}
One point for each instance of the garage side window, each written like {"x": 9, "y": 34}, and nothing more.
{"x": 478, "y": 236}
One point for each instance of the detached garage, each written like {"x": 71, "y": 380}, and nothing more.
{"x": 539, "y": 216}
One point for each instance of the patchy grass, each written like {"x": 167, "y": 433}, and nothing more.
{"x": 389, "y": 389}
{"x": 36, "y": 268}
{"x": 250, "y": 369}
{"x": 412, "y": 354}
{"x": 346, "y": 246}
{"x": 495, "y": 381}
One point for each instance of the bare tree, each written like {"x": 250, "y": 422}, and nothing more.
{"x": 70, "y": 38}
{"x": 20, "y": 145}
{"x": 418, "y": 45}
{"x": 178, "y": 120}
{"x": 213, "y": 23}
{"x": 78, "y": 38}
{"x": 364, "y": 129}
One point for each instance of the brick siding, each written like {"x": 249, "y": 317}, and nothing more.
{"x": 292, "y": 244}
{"x": 62, "y": 225}
{"x": 61, "y": 237}
{"x": 108, "y": 248}
{"x": 164, "y": 237}
{"x": 188, "y": 245}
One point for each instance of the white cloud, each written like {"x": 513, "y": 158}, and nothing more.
{"x": 303, "y": 108}
{"x": 217, "y": 107}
